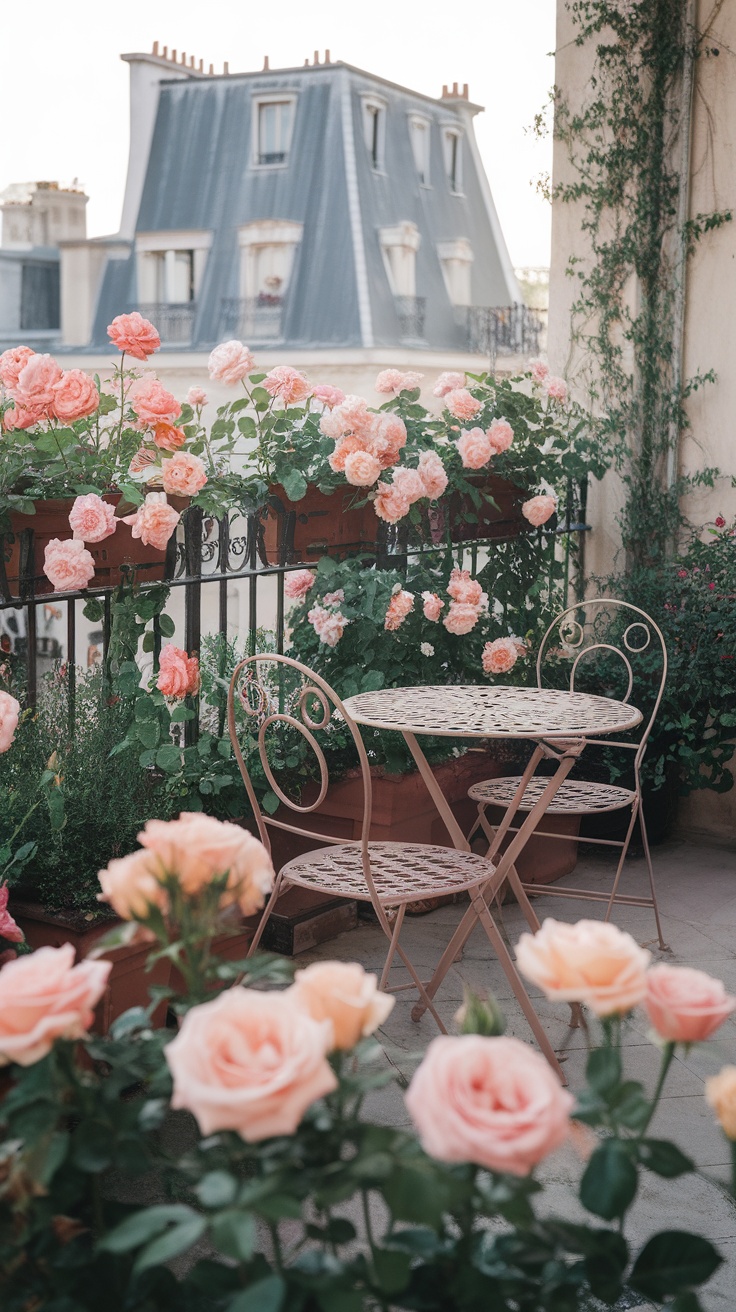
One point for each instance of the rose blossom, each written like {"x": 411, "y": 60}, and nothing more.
{"x": 539, "y": 370}
{"x": 461, "y": 404}
{"x": 685, "y": 1005}
{"x": 491, "y": 1101}
{"x": 44, "y": 997}
{"x": 36, "y": 382}
{"x": 448, "y": 382}
{"x": 134, "y": 335}
{"x": 343, "y": 993}
{"x": 22, "y": 417}
{"x": 9, "y": 714}
{"x": 589, "y": 962}
{"x": 426, "y": 649}
{"x": 350, "y": 416}
{"x": 11, "y": 932}
{"x": 251, "y": 1062}
{"x": 432, "y": 473}
{"x": 464, "y": 589}
{"x": 230, "y": 362}
{"x": 409, "y": 483}
{"x": 334, "y": 598}
{"x": 539, "y": 509}
{"x": 11, "y": 363}
{"x": 461, "y": 617}
{"x": 297, "y": 584}
{"x": 152, "y": 403}
{"x": 91, "y": 519}
{"x": 154, "y": 521}
{"x": 720, "y": 1094}
{"x": 288, "y": 384}
{"x": 68, "y": 565}
{"x": 178, "y": 674}
{"x": 197, "y": 848}
{"x": 387, "y": 438}
{"x": 556, "y": 389}
{"x": 196, "y": 397}
{"x": 500, "y": 435}
{"x": 345, "y": 447}
{"x": 168, "y": 437}
{"x": 142, "y": 460}
{"x": 184, "y": 475}
{"x": 361, "y": 468}
{"x": 500, "y": 656}
{"x": 131, "y": 885}
{"x": 400, "y": 605}
{"x": 433, "y": 606}
{"x": 392, "y": 381}
{"x": 475, "y": 448}
{"x": 327, "y": 395}
{"x": 390, "y": 504}
{"x": 328, "y": 625}
{"x": 75, "y": 396}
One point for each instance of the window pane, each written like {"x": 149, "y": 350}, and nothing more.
{"x": 274, "y": 130}
{"x": 420, "y": 147}
{"x": 182, "y": 277}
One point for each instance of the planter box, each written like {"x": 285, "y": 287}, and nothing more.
{"x": 306, "y": 529}
{"x": 504, "y": 520}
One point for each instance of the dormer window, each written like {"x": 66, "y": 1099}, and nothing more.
{"x": 374, "y": 130}
{"x": 452, "y": 147}
{"x": 273, "y": 125}
{"x": 419, "y": 129}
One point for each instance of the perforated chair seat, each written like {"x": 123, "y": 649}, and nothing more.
{"x": 402, "y": 872}
{"x": 575, "y": 797}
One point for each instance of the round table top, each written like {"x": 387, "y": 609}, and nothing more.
{"x": 468, "y": 711}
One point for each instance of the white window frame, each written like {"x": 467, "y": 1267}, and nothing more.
{"x": 451, "y": 132}
{"x": 373, "y": 110}
{"x": 252, "y": 237}
{"x": 271, "y": 98}
{"x": 404, "y": 237}
{"x": 167, "y": 244}
{"x": 456, "y": 258}
{"x": 424, "y": 172}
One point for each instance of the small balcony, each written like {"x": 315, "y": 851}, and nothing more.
{"x": 174, "y": 321}
{"x": 410, "y": 312}
{"x": 254, "y": 318}
{"x": 501, "y": 330}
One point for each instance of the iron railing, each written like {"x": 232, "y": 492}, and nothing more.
{"x": 410, "y": 311}
{"x": 175, "y": 321}
{"x": 254, "y": 319}
{"x": 501, "y": 330}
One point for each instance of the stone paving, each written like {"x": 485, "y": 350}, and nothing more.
{"x": 697, "y": 893}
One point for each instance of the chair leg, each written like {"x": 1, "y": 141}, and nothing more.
{"x": 512, "y": 875}
{"x": 393, "y": 944}
{"x": 622, "y": 858}
{"x": 427, "y": 1001}
{"x": 648, "y": 857}
{"x": 266, "y": 914}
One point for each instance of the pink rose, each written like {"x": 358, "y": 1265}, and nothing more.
{"x": 685, "y": 1005}
{"x": 168, "y": 437}
{"x": 11, "y": 932}
{"x": 432, "y": 473}
{"x": 720, "y": 1094}
{"x": 343, "y": 993}
{"x": 45, "y": 997}
{"x": 22, "y": 417}
{"x": 433, "y": 606}
{"x": 491, "y": 1101}
{"x": 154, "y": 521}
{"x": 539, "y": 509}
{"x": 152, "y": 403}
{"x": 589, "y": 962}
{"x": 134, "y": 335}
{"x": 328, "y": 625}
{"x": 539, "y": 371}
{"x": 448, "y": 382}
{"x": 251, "y": 1062}
{"x": 461, "y": 404}
{"x": 75, "y": 396}
{"x": 387, "y": 438}
{"x": 392, "y": 381}
{"x": 500, "y": 656}
{"x": 361, "y": 468}
{"x": 178, "y": 674}
{"x": 36, "y": 383}
{"x": 328, "y": 396}
{"x": 400, "y": 605}
{"x": 197, "y": 848}
{"x": 297, "y": 584}
{"x": 344, "y": 448}
{"x": 464, "y": 589}
{"x": 68, "y": 565}
{"x": 184, "y": 475}
{"x": 556, "y": 389}
{"x": 409, "y": 483}
{"x": 461, "y": 617}
{"x": 390, "y": 504}
{"x": 475, "y": 448}
{"x": 230, "y": 362}
{"x": 143, "y": 459}
{"x": 334, "y": 598}
{"x": 500, "y": 435}
{"x": 196, "y": 397}
{"x": 9, "y": 715}
{"x": 131, "y": 885}
{"x": 91, "y": 519}
{"x": 287, "y": 384}
{"x": 11, "y": 363}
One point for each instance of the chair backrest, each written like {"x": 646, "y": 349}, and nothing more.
{"x": 612, "y": 648}
{"x": 277, "y": 695}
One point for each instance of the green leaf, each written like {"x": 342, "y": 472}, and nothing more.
{"x": 149, "y": 641}
{"x": 673, "y": 1261}
{"x": 234, "y": 1234}
{"x": 93, "y": 610}
{"x": 610, "y": 1180}
{"x": 294, "y": 484}
{"x": 664, "y": 1158}
{"x": 149, "y": 733}
{"x": 145, "y": 709}
{"x": 264, "y": 1296}
{"x": 182, "y": 713}
{"x": 170, "y": 1244}
{"x": 270, "y": 802}
{"x": 167, "y": 626}
{"x": 603, "y": 1071}
{"x": 392, "y": 1269}
{"x": 168, "y": 758}
{"x": 136, "y": 1229}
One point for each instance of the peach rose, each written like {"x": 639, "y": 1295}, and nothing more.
{"x": 184, "y": 475}
{"x": 154, "y": 521}
{"x": 448, "y": 382}
{"x": 539, "y": 509}
{"x": 720, "y": 1094}
{"x": 152, "y": 403}
{"x": 20, "y": 417}
{"x": 250, "y": 1062}
{"x": 45, "y": 997}
{"x": 134, "y": 335}
{"x": 500, "y": 656}
{"x": 464, "y": 589}
{"x": 75, "y": 396}
{"x": 500, "y": 435}
{"x": 344, "y": 994}
{"x": 328, "y": 396}
{"x": 392, "y": 381}
{"x": 297, "y": 584}
{"x": 433, "y": 606}
{"x": 230, "y": 362}
{"x": 539, "y": 371}
{"x": 197, "y": 849}
{"x": 36, "y": 382}
{"x": 491, "y": 1101}
{"x": 588, "y": 962}
{"x": 475, "y": 448}
{"x": 91, "y": 519}
{"x": 344, "y": 448}
{"x": 432, "y": 473}
{"x": 9, "y": 715}
{"x": 168, "y": 437}
{"x": 287, "y": 384}
{"x": 173, "y": 674}
{"x": 11, "y": 363}
{"x": 328, "y": 625}
{"x": 461, "y": 617}
{"x": 461, "y": 404}
{"x": 556, "y": 388}
{"x": 685, "y": 1005}
{"x": 409, "y": 483}
{"x": 390, "y": 503}
{"x": 400, "y": 605}
{"x": 11, "y": 932}
{"x": 143, "y": 459}
{"x": 131, "y": 885}
{"x": 334, "y": 598}
{"x": 361, "y": 468}
{"x": 196, "y": 397}
{"x": 68, "y": 565}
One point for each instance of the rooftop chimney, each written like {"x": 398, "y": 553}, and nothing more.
{"x": 454, "y": 93}
{"x": 155, "y": 48}
{"x": 327, "y": 56}
{"x": 226, "y": 68}
{"x": 316, "y": 56}
{"x": 265, "y": 64}
{"x": 212, "y": 69}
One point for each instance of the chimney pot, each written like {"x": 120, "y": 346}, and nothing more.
{"x": 465, "y": 91}
{"x": 212, "y": 69}
{"x": 454, "y": 88}
{"x": 444, "y": 90}
{"x": 226, "y": 68}
{"x": 165, "y": 52}
{"x": 173, "y": 56}
{"x": 266, "y": 64}
{"x": 183, "y": 56}
{"x": 306, "y": 63}
{"x": 155, "y": 48}
{"x": 191, "y": 61}
{"x": 316, "y": 56}
{"x": 327, "y": 57}
{"x": 201, "y": 66}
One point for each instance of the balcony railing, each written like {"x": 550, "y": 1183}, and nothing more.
{"x": 410, "y": 312}
{"x": 501, "y": 330}
{"x": 254, "y": 318}
{"x": 175, "y": 321}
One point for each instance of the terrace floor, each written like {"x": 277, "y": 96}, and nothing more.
{"x": 697, "y": 893}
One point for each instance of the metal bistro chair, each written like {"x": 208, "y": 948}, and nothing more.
{"x": 390, "y": 876}
{"x": 594, "y": 641}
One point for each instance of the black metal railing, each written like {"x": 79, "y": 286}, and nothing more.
{"x": 253, "y": 319}
{"x": 174, "y": 320}
{"x": 410, "y": 311}
{"x": 501, "y": 330}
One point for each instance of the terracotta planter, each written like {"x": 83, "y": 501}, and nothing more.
{"x": 504, "y": 520}
{"x": 306, "y": 529}
{"x": 129, "y": 981}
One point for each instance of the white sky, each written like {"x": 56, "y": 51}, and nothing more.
{"x": 65, "y": 90}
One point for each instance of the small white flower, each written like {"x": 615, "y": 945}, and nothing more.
{"x": 396, "y": 588}
{"x": 427, "y": 649}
